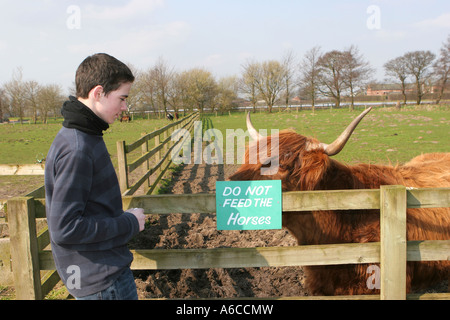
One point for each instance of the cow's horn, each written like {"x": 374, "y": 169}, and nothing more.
{"x": 251, "y": 129}
{"x": 336, "y": 147}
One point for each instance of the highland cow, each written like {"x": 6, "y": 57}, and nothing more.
{"x": 305, "y": 164}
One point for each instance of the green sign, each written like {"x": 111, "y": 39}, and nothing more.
{"x": 248, "y": 205}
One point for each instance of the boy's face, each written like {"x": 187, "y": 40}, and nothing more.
{"x": 109, "y": 107}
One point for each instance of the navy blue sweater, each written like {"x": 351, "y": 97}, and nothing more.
{"x": 88, "y": 228}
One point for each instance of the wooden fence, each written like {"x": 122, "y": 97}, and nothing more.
{"x": 34, "y": 269}
{"x": 161, "y": 161}
{"x": 22, "y": 169}
{"x": 6, "y": 275}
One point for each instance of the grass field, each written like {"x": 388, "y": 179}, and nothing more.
{"x": 385, "y": 135}
{"x": 24, "y": 143}
{"x": 27, "y": 143}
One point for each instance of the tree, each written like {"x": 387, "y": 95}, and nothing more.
{"x": 201, "y": 88}
{"x": 309, "y": 74}
{"x": 179, "y": 97}
{"x": 441, "y": 68}
{"x": 49, "y": 98}
{"x": 247, "y": 84}
{"x": 270, "y": 81}
{"x": 418, "y": 64}
{"x": 397, "y": 69}
{"x": 136, "y": 98}
{"x": 14, "y": 90}
{"x": 357, "y": 72}
{"x": 152, "y": 88}
{"x": 162, "y": 76}
{"x": 145, "y": 88}
{"x": 227, "y": 92}
{"x": 2, "y": 104}
{"x": 332, "y": 75}
{"x": 31, "y": 93}
{"x": 288, "y": 65}
{"x": 173, "y": 93}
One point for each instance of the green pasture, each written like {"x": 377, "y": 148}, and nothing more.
{"x": 26, "y": 143}
{"x": 385, "y": 135}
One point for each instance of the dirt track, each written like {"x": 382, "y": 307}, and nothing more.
{"x": 179, "y": 231}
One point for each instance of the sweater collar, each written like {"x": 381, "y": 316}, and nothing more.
{"x": 78, "y": 116}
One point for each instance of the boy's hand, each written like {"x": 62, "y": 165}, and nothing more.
{"x": 140, "y": 216}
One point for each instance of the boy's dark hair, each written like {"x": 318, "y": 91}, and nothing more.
{"x": 101, "y": 69}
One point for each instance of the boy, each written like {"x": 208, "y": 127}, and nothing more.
{"x": 88, "y": 228}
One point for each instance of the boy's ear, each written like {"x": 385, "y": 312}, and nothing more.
{"x": 96, "y": 92}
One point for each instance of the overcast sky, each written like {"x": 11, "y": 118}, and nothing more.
{"x": 49, "y": 38}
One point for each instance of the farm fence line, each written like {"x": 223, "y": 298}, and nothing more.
{"x": 22, "y": 169}
{"x": 35, "y": 275}
{"x": 161, "y": 161}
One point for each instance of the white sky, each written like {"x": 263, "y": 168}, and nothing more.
{"x": 48, "y": 39}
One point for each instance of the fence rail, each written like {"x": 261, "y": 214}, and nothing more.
{"x": 31, "y": 254}
{"x": 36, "y": 169}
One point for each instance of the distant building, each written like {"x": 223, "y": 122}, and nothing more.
{"x": 385, "y": 89}
{"x": 437, "y": 88}
{"x": 296, "y": 100}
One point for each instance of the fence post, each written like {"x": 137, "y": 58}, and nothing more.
{"x": 122, "y": 166}
{"x": 24, "y": 248}
{"x": 158, "y": 156}
{"x": 393, "y": 242}
{"x": 165, "y": 135}
{"x": 146, "y": 167}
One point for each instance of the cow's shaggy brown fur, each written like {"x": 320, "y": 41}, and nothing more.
{"x": 302, "y": 167}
